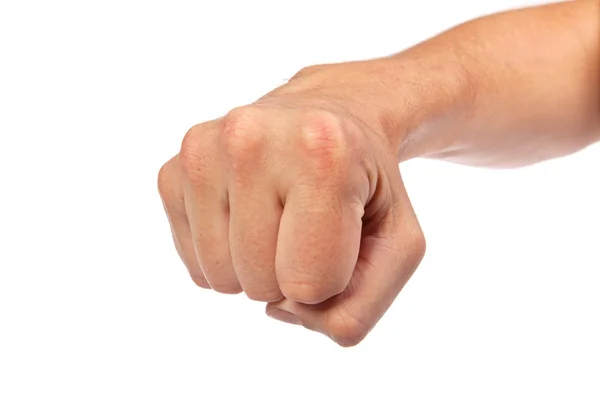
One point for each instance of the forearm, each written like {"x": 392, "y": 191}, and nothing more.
{"x": 505, "y": 90}
{"x": 529, "y": 87}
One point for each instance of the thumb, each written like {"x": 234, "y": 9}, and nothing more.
{"x": 389, "y": 254}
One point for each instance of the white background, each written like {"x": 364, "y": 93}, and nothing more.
{"x": 94, "y": 303}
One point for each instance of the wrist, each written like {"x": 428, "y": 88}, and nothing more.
{"x": 430, "y": 92}
{"x": 407, "y": 98}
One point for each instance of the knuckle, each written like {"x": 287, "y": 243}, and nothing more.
{"x": 346, "y": 329}
{"x": 243, "y": 133}
{"x": 323, "y": 139}
{"x": 322, "y": 131}
{"x": 189, "y": 155}
{"x": 308, "y": 293}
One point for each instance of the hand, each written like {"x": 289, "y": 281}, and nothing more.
{"x": 296, "y": 204}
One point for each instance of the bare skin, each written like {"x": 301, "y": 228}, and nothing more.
{"x": 297, "y": 199}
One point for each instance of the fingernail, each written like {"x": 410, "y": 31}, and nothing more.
{"x": 284, "y": 316}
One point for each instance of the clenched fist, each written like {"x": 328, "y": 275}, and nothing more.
{"x": 298, "y": 203}
{"x": 297, "y": 198}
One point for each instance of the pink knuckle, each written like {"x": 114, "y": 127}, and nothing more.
{"x": 323, "y": 140}
{"x": 322, "y": 133}
{"x": 243, "y": 133}
{"x": 347, "y": 330}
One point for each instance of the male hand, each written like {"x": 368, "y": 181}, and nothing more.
{"x": 297, "y": 199}
{"x": 298, "y": 202}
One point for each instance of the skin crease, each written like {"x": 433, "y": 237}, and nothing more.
{"x": 297, "y": 199}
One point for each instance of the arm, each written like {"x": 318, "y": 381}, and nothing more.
{"x": 506, "y": 90}
{"x": 297, "y": 199}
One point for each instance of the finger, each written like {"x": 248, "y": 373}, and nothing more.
{"x": 255, "y": 211}
{"x": 320, "y": 228}
{"x": 387, "y": 259}
{"x": 207, "y": 206}
{"x": 171, "y": 193}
